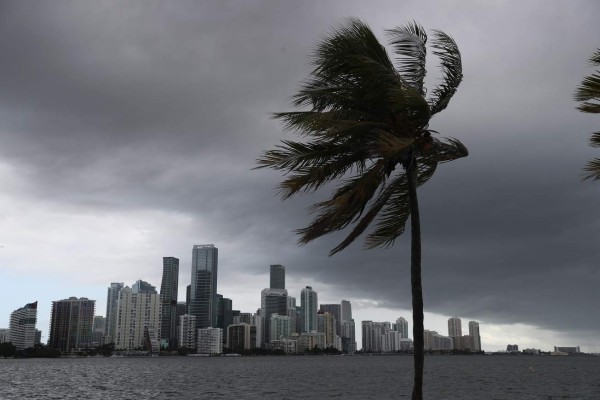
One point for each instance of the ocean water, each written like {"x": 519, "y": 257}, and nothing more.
{"x": 301, "y": 377}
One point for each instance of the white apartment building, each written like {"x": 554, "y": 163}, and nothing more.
{"x": 187, "y": 331}
{"x": 210, "y": 341}
{"x": 135, "y": 312}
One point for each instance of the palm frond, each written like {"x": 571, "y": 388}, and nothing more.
{"x": 588, "y": 94}
{"x": 409, "y": 43}
{"x": 595, "y": 139}
{"x": 592, "y": 170}
{"x": 392, "y": 219}
{"x": 451, "y": 65}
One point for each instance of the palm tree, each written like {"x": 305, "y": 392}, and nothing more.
{"x": 588, "y": 94}
{"x": 364, "y": 119}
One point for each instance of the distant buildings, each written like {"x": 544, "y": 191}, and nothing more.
{"x": 21, "y": 331}
{"x": 277, "y": 277}
{"x": 71, "y": 324}
{"x": 512, "y": 348}
{"x": 168, "y": 298}
{"x": 474, "y": 333}
{"x": 401, "y": 326}
{"x": 210, "y": 341}
{"x": 273, "y": 301}
{"x": 435, "y": 342}
{"x": 241, "y": 337}
{"x": 135, "y": 312}
{"x": 309, "y": 303}
{"x": 112, "y": 297}
{"x": 567, "y": 350}
{"x": 187, "y": 331}
{"x": 203, "y": 290}
{"x": 454, "y": 327}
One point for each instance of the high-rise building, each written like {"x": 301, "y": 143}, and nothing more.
{"x": 4, "y": 335}
{"x": 435, "y": 341}
{"x": 280, "y": 327}
{"x": 136, "y": 311}
{"x": 454, "y": 327}
{"x": 210, "y": 341}
{"x": 346, "y": 310}
{"x": 224, "y": 312}
{"x": 372, "y": 335}
{"x": 239, "y": 337}
{"x": 309, "y": 304}
{"x": 98, "y": 331}
{"x": 474, "y": 333}
{"x": 141, "y": 286}
{"x": 71, "y": 323}
{"x": 326, "y": 324}
{"x": 348, "y": 337}
{"x": 203, "y": 292}
{"x": 22, "y": 326}
{"x": 272, "y": 301}
{"x": 168, "y": 298}
{"x": 110, "y": 327}
{"x": 277, "y": 277}
{"x": 187, "y": 331}
{"x": 336, "y": 311}
{"x": 401, "y": 326}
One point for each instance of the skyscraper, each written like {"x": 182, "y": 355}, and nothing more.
{"x": 168, "y": 299}
{"x": 22, "y": 326}
{"x": 110, "y": 327}
{"x": 136, "y": 311}
{"x": 277, "y": 277}
{"x": 141, "y": 286}
{"x": 474, "y": 333}
{"x": 336, "y": 311}
{"x": 272, "y": 301}
{"x": 224, "y": 312}
{"x": 71, "y": 323}
{"x": 454, "y": 327}
{"x": 401, "y": 326}
{"x": 346, "y": 310}
{"x": 203, "y": 293}
{"x": 308, "y": 303}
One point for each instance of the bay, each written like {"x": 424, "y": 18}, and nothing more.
{"x": 300, "y": 377}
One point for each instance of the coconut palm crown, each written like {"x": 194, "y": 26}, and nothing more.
{"x": 588, "y": 95}
{"x": 365, "y": 123}
{"x": 364, "y": 117}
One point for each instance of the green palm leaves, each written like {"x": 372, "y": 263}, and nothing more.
{"x": 588, "y": 95}
{"x": 364, "y": 120}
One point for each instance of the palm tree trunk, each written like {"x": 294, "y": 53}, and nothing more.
{"x": 415, "y": 279}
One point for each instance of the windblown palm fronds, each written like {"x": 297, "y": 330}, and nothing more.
{"x": 588, "y": 95}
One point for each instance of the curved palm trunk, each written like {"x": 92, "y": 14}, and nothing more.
{"x": 415, "y": 280}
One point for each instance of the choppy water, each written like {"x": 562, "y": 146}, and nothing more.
{"x": 307, "y": 377}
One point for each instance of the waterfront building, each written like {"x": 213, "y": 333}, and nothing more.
{"x": 436, "y": 342}
{"x": 336, "y": 311}
{"x": 280, "y": 327}
{"x": 151, "y": 340}
{"x": 391, "y": 341}
{"x": 71, "y": 323}
{"x": 22, "y": 326}
{"x": 224, "y": 312}
{"x": 309, "y": 304}
{"x": 277, "y": 277}
{"x": 292, "y": 312}
{"x": 203, "y": 291}
{"x": 568, "y": 350}
{"x": 273, "y": 301}
{"x": 181, "y": 310}
{"x": 372, "y": 335}
{"x": 512, "y": 348}
{"x": 454, "y": 327}
{"x": 307, "y": 341}
{"x": 188, "y": 291}
{"x": 239, "y": 337}
{"x": 326, "y": 324}
{"x": 168, "y": 297}
{"x": 474, "y": 333}
{"x": 112, "y": 297}
{"x": 288, "y": 346}
{"x": 401, "y": 326}
{"x": 348, "y": 337}
{"x": 4, "y": 335}
{"x": 38, "y": 337}
{"x": 187, "y": 331}
{"x": 210, "y": 341}
{"x": 98, "y": 331}
{"x": 135, "y": 312}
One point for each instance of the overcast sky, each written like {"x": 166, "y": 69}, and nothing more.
{"x": 129, "y": 130}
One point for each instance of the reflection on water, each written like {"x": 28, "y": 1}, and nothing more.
{"x": 308, "y": 377}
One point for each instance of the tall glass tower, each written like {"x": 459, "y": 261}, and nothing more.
{"x": 308, "y": 304}
{"x": 277, "y": 277}
{"x": 203, "y": 292}
{"x": 112, "y": 297}
{"x": 168, "y": 299}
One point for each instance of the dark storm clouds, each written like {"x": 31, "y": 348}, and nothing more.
{"x": 110, "y": 106}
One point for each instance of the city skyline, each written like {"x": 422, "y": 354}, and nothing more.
{"x": 129, "y": 133}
